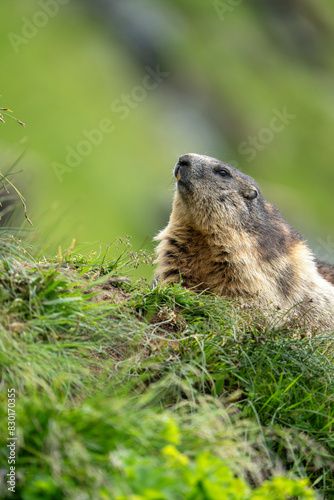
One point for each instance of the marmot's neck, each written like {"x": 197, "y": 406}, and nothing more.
{"x": 196, "y": 259}
{"x": 200, "y": 228}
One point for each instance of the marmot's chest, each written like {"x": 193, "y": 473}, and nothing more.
{"x": 209, "y": 268}
{"x": 231, "y": 270}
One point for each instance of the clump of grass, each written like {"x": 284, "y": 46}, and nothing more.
{"x": 164, "y": 393}
{"x": 117, "y": 447}
{"x": 49, "y": 320}
{"x": 283, "y": 380}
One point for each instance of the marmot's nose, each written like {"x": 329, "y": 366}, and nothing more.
{"x": 185, "y": 160}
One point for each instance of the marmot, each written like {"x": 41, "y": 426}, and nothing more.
{"x": 224, "y": 237}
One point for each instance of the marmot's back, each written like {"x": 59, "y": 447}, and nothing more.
{"x": 223, "y": 236}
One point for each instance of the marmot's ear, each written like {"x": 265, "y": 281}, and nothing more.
{"x": 250, "y": 193}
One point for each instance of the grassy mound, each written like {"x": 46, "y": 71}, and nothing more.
{"x": 128, "y": 392}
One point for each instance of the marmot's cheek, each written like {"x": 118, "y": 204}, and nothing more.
{"x": 186, "y": 191}
{"x": 183, "y": 185}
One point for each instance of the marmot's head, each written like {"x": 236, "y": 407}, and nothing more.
{"x": 217, "y": 200}
{"x": 213, "y": 193}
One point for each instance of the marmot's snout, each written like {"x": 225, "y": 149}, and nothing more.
{"x": 182, "y": 165}
{"x": 188, "y": 169}
{"x": 182, "y": 173}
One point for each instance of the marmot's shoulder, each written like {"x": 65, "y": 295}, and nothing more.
{"x": 223, "y": 236}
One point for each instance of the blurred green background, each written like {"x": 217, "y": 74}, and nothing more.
{"x": 113, "y": 91}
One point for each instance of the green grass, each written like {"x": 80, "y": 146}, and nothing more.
{"x": 129, "y": 392}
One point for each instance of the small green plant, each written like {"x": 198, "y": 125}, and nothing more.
{"x": 206, "y": 477}
{"x": 7, "y": 112}
{"x": 4, "y": 177}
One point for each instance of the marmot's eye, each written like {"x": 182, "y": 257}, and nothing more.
{"x": 223, "y": 172}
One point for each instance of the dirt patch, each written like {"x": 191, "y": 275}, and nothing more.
{"x": 116, "y": 354}
{"x": 110, "y": 292}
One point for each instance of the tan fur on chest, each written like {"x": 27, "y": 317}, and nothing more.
{"x": 230, "y": 266}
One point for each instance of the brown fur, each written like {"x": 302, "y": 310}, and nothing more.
{"x": 224, "y": 237}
